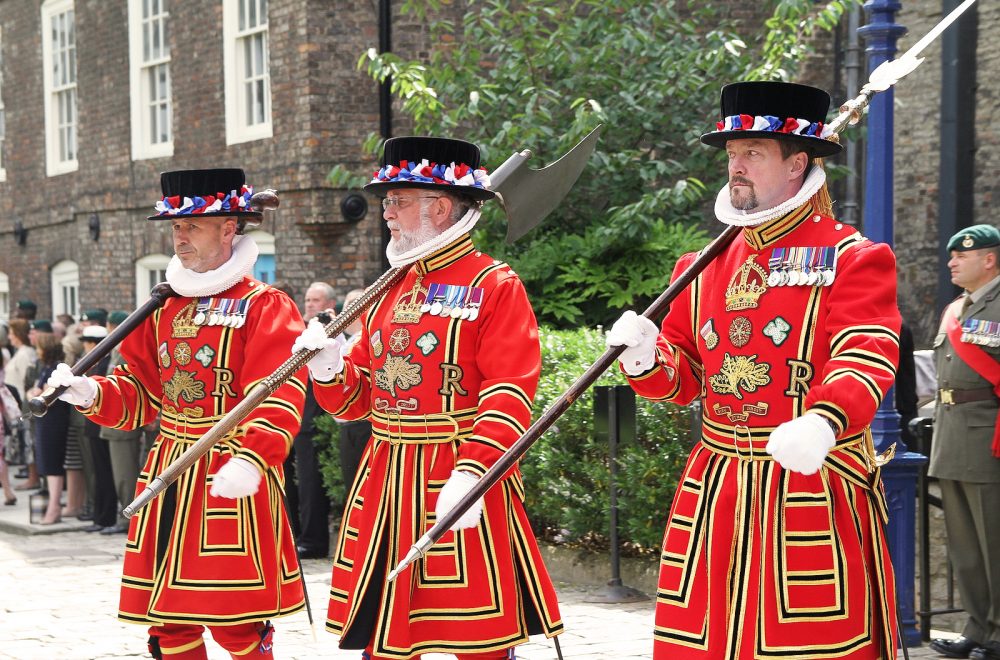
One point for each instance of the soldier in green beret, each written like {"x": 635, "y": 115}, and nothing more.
{"x": 965, "y": 453}
{"x": 26, "y": 309}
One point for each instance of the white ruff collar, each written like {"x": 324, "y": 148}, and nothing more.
{"x": 192, "y": 285}
{"x": 726, "y": 213}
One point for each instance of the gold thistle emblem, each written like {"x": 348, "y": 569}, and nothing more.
{"x": 183, "y": 385}
{"x": 747, "y": 285}
{"x": 183, "y": 325}
{"x": 739, "y": 372}
{"x": 398, "y": 372}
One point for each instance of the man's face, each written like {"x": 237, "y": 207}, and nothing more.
{"x": 32, "y": 335}
{"x": 316, "y": 302}
{"x": 203, "y": 244}
{"x": 759, "y": 177}
{"x": 408, "y": 218}
{"x": 970, "y": 269}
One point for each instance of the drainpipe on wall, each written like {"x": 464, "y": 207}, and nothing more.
{"x": 384, "y": 102}
{"x": 958, "y": 139}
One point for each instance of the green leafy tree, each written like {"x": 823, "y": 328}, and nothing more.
{"x": 542, "y": 74}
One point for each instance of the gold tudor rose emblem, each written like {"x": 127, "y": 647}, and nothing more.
{"x": 738, "y": 372}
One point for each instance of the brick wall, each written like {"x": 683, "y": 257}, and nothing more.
{"x": 322, "y": 109}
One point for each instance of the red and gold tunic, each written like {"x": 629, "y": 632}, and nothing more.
{"x": 443, "y": 391}
{"x": 758, "y": 561}
{"x": 191, "y": 557}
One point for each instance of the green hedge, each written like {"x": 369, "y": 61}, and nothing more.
{"x": 566, "y": 472}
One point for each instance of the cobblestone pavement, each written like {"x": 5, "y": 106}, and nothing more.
{"x": 59, "y": 595}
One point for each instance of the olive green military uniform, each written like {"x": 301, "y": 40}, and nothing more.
{"x": 962, "y": 460}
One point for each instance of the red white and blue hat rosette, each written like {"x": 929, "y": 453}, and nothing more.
{"x": 206, "y": 193}
{"x": 443, "y": 164}
{"x": 774, "y": 110}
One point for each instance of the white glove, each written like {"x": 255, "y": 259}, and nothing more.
{"x": 802, "y": 444}
{"x": 639, "y": 334}
{"x": 454, "y": 490}
{"x": 237, "y": 478}
{"x": 80, "y": 390}
{"x": 329, "y": 361}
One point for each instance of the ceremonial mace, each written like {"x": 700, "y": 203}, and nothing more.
{"x": 526, "y": 204}
{"x": 265, "y": 200}
{"x": 882, "y": 78}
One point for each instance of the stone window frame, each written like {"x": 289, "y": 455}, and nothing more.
{"x": 65, "y": 279}
{"x": 59, "y": 78}
{"x": 149, "y": 70}
{"x": 245, "y": 28}
{"x": 150, "y": 270}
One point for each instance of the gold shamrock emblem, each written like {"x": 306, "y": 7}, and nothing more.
{"x": 183, "y": 385}
{"x": 398, "y": 372}
{"x": 738, "y": 372}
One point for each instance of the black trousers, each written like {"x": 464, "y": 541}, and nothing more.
{"x": 313, "y": 503}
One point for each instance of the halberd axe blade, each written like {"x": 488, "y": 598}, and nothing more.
{"x": 528, "y": 195}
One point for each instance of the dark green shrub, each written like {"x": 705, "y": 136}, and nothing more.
{"x": 566, "y": 471}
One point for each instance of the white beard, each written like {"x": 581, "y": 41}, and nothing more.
{"x": 411, "y": 240}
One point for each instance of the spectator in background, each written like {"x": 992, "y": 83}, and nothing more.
{"x": 51, "y": 429}
{"x": 124, "y": 447}
{"x": 23, "y": 362}
{"x": 354, "y": 435}
{"x": 965, "y": 450}
{"x": 10, "y": 413}
{"x": 314, "y": 505}
{"x": 103, "y": 497}
{"x": 26, "y": 309}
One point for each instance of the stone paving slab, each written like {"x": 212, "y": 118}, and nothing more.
{"x": 59, "y": 595}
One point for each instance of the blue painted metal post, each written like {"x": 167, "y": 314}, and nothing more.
{"x": 900, "y": 475}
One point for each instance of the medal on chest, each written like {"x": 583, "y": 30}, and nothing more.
{"x": 981, "y": 333}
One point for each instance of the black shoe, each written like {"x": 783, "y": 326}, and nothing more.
{"x": 22, "y": 473}
{"x": 117, "y": 528}
{"x": 93, "y": 528}
{"x": 959, "y": 647}
{"x": 988, "y": 651}
{"x": 310, "y": 553}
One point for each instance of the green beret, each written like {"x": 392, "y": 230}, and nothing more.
{"x": 26, "y": 304}
{"x": 116, "y": 317}
{"x": 975, "y": 237}
{"x": 98, "y": 315}
{"x": 41, "y": 325}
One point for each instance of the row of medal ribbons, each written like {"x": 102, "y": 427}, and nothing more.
{"x": 981, "y": 333}
{"x": 802, "y": 266}
{"x": 230, "y": 312}
{"x": 454, "y": 300}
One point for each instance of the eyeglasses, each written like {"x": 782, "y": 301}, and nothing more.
{"x": 403, "y": 202}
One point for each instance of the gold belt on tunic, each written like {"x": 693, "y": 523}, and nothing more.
{"x": 390, "y": 424}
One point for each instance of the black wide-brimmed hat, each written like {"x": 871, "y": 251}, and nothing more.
{"x": 429, "y": 162}
{"x": 206, "y": 193}
{"x": 777, "y": 110}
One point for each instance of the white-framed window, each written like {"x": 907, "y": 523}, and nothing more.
{"x": 65, "y": 277}
{"x": 3, "y": 119}
{"x": 149, "y": 64}
{"x": 246, "y": 70}
{"x": 265, "y": 267}
{"x": 149, "y": 271}
{"x": 59, "y": 80}
{"x": 4, "y": 297}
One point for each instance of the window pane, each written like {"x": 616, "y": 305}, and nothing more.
{"x": 260, "y": 102}
{"x": 252, "y": 22}
{"x": 258, "y": 53}
{"x": 243, "y": 14}
{"x": 263, "y": 12}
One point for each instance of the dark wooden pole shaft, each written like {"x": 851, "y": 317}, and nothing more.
{"x": 157, "y": 297}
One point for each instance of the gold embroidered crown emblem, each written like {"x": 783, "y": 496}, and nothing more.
{"x": 183, "y": 324}
{"x": 407, "y": 310}
{"x": 746, "y": 287}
